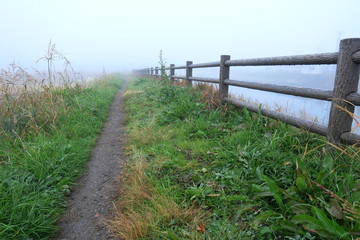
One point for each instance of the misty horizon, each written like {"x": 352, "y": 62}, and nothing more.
{"x": 121, "y": 36}
{"x": 113, "y": 36}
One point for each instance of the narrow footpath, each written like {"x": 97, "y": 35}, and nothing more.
{"x": 91, "y": 200}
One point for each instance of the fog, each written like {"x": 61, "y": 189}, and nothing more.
{"x": 122, "y": 35}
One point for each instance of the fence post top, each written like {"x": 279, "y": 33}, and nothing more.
{"x": 352, "y": 43}
{"x": 348, "y": 40}
{"x": 224, "y": 57}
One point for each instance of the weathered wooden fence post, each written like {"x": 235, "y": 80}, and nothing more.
{"x": 189, "y": 72}
{"x": 346, "y": 82}
{"x": 224, "y": 74}
{"x": 156, "y": 72}
{"x": 172, "y": 72}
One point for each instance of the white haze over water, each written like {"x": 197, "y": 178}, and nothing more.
{"x": 318, "y": 77}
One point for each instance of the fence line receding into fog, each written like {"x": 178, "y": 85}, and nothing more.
{"x": 343, "y": 96}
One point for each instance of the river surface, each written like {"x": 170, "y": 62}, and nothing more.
{"x": 318, "y": 77}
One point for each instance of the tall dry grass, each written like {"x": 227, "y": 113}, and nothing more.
{"x": 27, "y": 99}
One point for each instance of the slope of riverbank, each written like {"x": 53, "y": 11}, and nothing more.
{"x": 199, "y": 169}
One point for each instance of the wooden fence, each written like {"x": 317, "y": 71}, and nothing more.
{"x": 343, "y": 97}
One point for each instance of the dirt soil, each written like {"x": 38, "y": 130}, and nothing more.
{"x": 91, "y": 200}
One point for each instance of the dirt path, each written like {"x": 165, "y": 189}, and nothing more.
{"x": 91, "y": 200}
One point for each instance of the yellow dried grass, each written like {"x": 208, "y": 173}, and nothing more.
{"x": 141, "y": 209}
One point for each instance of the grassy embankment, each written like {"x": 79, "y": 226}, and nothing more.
{"x": 46, "y": 136}
{"x": 202, "y": 170}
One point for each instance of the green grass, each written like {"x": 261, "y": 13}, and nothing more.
{"x": 38, "y": 168}
{"x": 253, "y": 177}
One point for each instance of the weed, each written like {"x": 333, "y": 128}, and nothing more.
{"x": 162, "y": 62}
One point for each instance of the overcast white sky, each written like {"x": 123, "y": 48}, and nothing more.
{"x": 121, "y": 35}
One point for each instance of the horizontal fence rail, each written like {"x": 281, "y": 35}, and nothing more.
{"x": 179, "y": 67}
{"x": 354, "y": 98}
{"x": 356, "y": 57}
{"x": 343, "y": 96}
{"x": 311, "y": 59}
{"x": 297, "y": 122}
{"x": 179, "y": 77}
{"x": 295, "y": 91}
{"x": 200, "y": 79}
{"x": 205, "y": 65}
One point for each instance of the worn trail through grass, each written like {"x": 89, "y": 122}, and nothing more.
{"x": 91, "y": 200}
